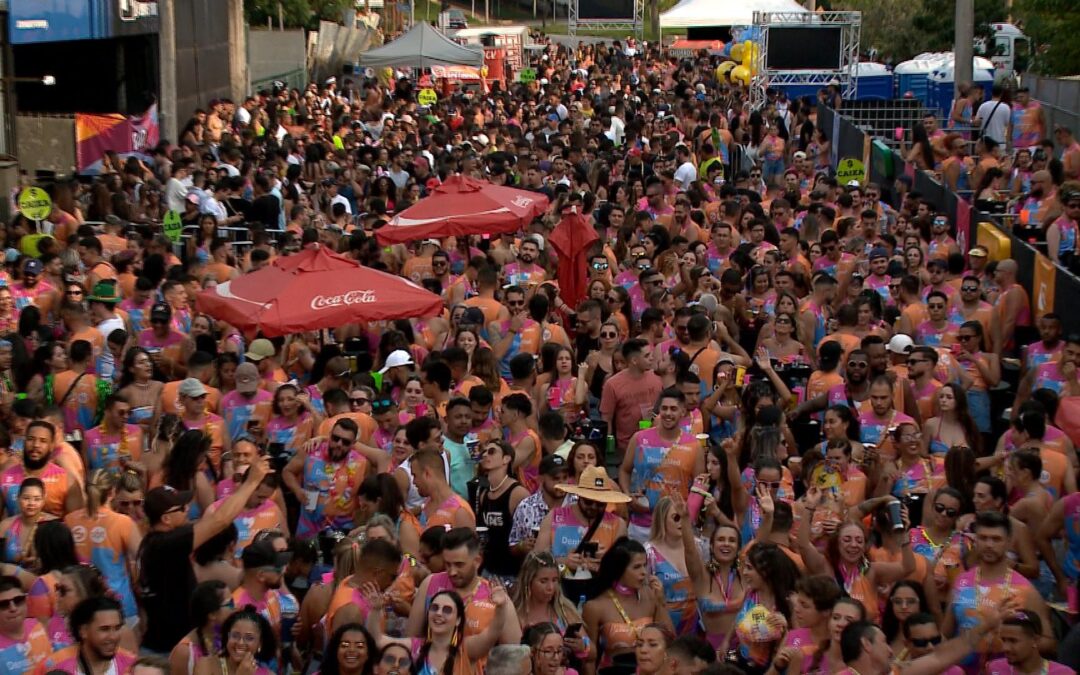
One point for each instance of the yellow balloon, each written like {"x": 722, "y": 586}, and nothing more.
{"x": 737, "y": 52}
{"x": 723, "y": 69}
{"x": 741, "y": 75}
{"x": 747, "y": 53}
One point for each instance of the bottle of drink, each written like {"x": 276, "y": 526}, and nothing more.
{"x": 581, "y": 605}
{"x": 695, "y": 500}
{"x": 610, "y": 447}
{"x": 290, "y": 609}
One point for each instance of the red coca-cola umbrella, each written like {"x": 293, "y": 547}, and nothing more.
{"x": 311, "y": 290}
{"x": 463, "y": 206}
{"x": 571, "y": 239}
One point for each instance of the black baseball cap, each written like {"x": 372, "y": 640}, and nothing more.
{"x": 552, "y": 465}
{"x": 262, "y": 554}
{"x": 163, "y": 499}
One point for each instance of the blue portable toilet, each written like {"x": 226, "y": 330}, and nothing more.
{"x": 874, "y": 81}
{"x": 942, "y": 83}
{"x": 914, "y": 76}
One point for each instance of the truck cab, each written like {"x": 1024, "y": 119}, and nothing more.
{"x": 1010, "y": 50}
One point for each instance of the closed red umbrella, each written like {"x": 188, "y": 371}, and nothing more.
{"x": 571, "y": 239}
{"x": 463, "y": 206}
{"x": 311, "y": 290}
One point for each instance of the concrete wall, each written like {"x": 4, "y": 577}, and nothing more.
{"x": 46, "y": 143}
{"x": 273, "y": 54}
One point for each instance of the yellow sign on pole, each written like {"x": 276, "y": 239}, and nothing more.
{"x": 850, "y": 169}
{"x": 35, "y": 204}
{"x": 427, "y": 97}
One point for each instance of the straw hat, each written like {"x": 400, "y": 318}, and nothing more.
{"x": 594, "y": 484}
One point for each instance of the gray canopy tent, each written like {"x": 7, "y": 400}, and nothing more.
{"x": 422, "y": 47}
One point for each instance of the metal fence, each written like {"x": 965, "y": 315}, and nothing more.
{"x": 1048, "y": 285}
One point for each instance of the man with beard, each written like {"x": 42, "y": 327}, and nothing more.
{"x": 991, "y": 582}
{"x": 525, "y": 272}
{"x": 877, "y": 359}
{"x": 461, "y": 553}
{"x": 167, "y": 578}
{"x": 660, "y": 460}
{"x": 533, "y": 509}
{"x": 260, "y": 586}
{"x": 33, "y": 290}
{"x": 325, "y": 480}
{"x": 876, "y": 419}
{"x": 23, "y": 641}
{"x": 96, "y": 624}
{"x": 566, "y": 528}
{"x": 1019, "y": 639}
{"x": 62, "y": 492}
{"x": 853, "y": 392}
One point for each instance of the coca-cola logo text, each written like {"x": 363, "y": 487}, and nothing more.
{"x": 350, "y": 298}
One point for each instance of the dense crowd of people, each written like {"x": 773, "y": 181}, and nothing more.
{"x": 789, "y": 427}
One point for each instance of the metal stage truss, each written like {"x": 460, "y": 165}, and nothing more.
{"x": 634, "y": 25}
{"x": 850, "y": 24}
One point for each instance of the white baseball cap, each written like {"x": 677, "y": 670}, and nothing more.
{"x": 900, "y": 344}
{"x": 397, "y": 358}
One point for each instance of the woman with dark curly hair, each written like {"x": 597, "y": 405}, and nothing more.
{"x": 350, "y": 651}
{"x": 247, "y": 640}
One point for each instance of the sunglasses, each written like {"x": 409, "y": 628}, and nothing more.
{"x": 130, "y": 503}
{"x": 342, "y": 439}
{"x": 445, "y": 610}
{"x": 613, "y": 298}
{"x": 515, "y": 303}
{"x": 362, "y": 400}
{"x": 946, "y": 510}
{"x": 74, "y": 293}
{"x": 381, "y": 404}
{"x": 609, "y": 336}
{"x": 969, "y": 289}
{"x": 966, "y": 337}
{"x": 17, "y": 601}
{"x": 914, "y": 362}
{"x": 770, "y": 484}
{"x": 923, "y": 643}
{"x": 857, "y": 364}
{"x": 400, "y": 663}
{"x": 936, "y": 305}
{"x": 228, "y": 604}
{"x": 600, "y": 266}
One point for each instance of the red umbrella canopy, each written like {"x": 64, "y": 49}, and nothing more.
{"x": 311, "y": 290}
{"x": 571, "y": 239}
{"x": 463, "y": 206}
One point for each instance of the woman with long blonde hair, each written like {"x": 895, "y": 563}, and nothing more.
{"x": 538, "y": 596}
{"x": 317, "y": 601}
{"x": 112, "y": 541}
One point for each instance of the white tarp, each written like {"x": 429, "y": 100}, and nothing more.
{"x": 696, "y": 13}
{"x": 422, "y": 47}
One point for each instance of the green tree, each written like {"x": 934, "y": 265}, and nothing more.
{"x": 937, "y": 21}
{"x": 296, "y": 13}
{"x": 903, "y": 28}
{"x": 1053, "y": 26}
